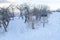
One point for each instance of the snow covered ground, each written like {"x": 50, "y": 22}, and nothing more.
{"x": 18, "y": 30}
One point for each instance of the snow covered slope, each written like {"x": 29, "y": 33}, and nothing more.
{"x": 18, "y": 30}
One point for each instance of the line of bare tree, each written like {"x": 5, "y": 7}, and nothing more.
{"x": 42, "y": 12}
{"x": 26, "y": 13}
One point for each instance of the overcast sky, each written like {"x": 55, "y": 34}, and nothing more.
{"x": 53, "y": 4}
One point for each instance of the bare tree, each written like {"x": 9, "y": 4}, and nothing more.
{"x": 5, "y": 18}
{"x": 25, "y": 11}
{"x": 41, "y": 13}
{"x": 44, "y": 13}
{"x": 20, "y": 8}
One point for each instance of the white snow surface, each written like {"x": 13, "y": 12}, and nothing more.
{"x": 18, "y": 30}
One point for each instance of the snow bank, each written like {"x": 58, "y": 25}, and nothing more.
{"x": 18, "y": 30}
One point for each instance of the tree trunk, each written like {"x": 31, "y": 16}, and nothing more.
{"x": 33, "y": 25}
{"x": 5, "y": 27}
